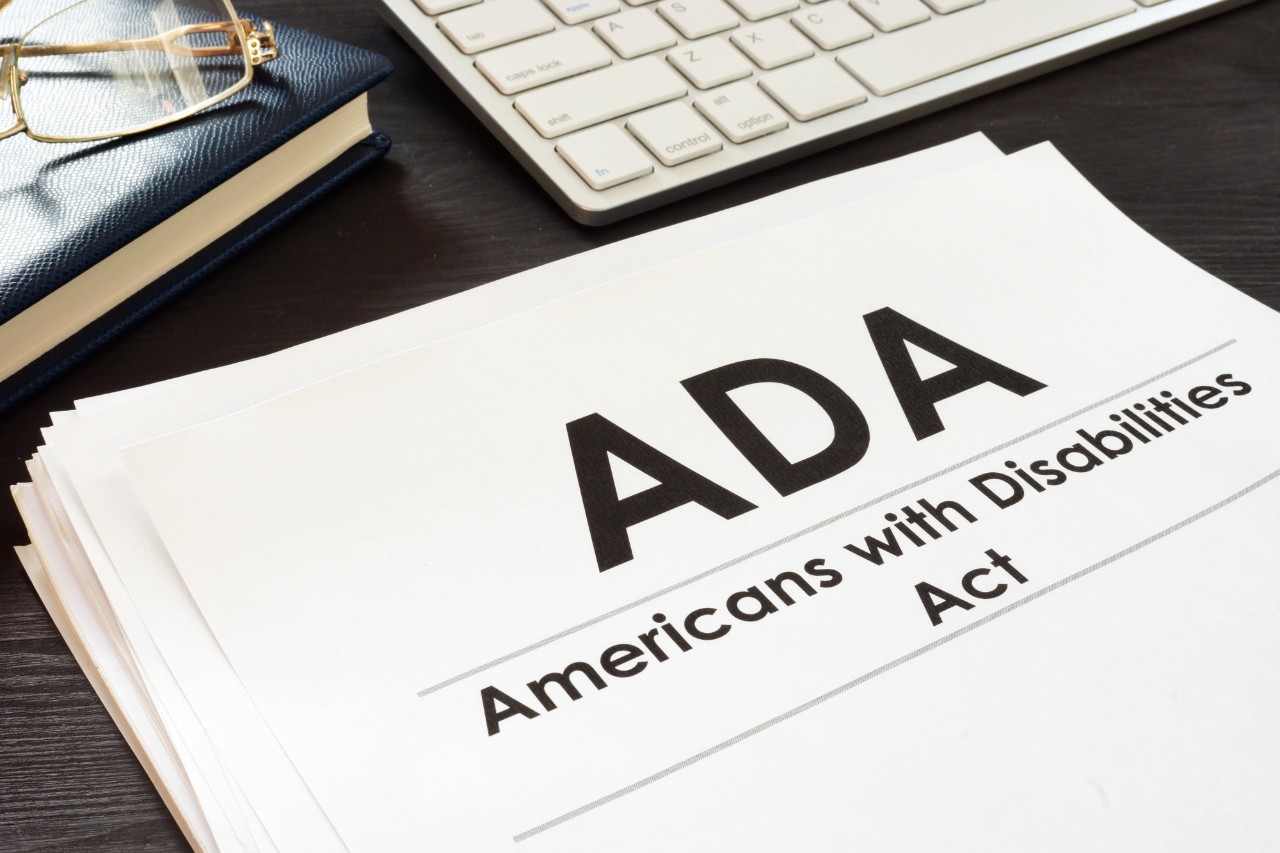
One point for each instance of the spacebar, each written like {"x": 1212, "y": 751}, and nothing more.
{"x": 947, "y": 44}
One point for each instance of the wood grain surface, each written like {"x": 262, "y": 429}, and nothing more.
{"x": 1182, "y": 132}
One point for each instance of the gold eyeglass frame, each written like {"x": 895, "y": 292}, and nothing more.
{"x": 243, "y": 37}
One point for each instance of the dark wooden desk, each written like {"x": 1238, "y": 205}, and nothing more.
{"x": 1182, "y": 132}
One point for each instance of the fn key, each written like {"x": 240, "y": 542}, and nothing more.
{"x": 604, "y": 156}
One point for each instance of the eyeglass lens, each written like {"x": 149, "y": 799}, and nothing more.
{"x": 105, "y": 67}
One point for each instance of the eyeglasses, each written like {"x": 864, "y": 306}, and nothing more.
{"x": 105, "y": 68}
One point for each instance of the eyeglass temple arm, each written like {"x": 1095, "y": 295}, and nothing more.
{"x": 261, "y": 43}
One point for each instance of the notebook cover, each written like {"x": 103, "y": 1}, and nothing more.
{"x": 155, "y": 295}
{"x": 66, "y": 207}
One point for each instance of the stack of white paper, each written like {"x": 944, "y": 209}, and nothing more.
{"x": 925, "y": 507}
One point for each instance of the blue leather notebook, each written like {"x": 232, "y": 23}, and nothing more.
{"x": 78, "y": 260}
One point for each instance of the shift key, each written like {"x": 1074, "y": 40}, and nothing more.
{"x": 599, "y": 96}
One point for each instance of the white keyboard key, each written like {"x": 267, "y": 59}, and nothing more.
{"x": 599, "y": 96}
{"x": 577, "y": 11}
{"x": 605, "y": 156}
{"x": 741, "y": 112}
{"x": 891, "y": 15}
{"x": 674, "y": 133}
{"x": 542, "y": 60}
{"x": 635, "y": 33}
{"x": 439, "y": 7}
{"x": 639, "y": 2}
{"x": 946, "y": 7}
{"x": 709, "y": 63}
{"x": 832, "y": 24}
{"x": 1150, "y": 2}
{"x": 756, "y": 10}
{"x": 697, "y": 18}
{"x": 494, "y": 23}
{"x": 773, "y": 43}
{"x": 812, "y": 89}
{"x": 892, "y": 63}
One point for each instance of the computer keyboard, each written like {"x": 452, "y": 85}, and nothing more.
{"x": 617, "y": 106}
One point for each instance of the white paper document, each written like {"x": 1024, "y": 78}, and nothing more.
{"x": 939, "y": 521}
{"x": 106, "y": 575}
